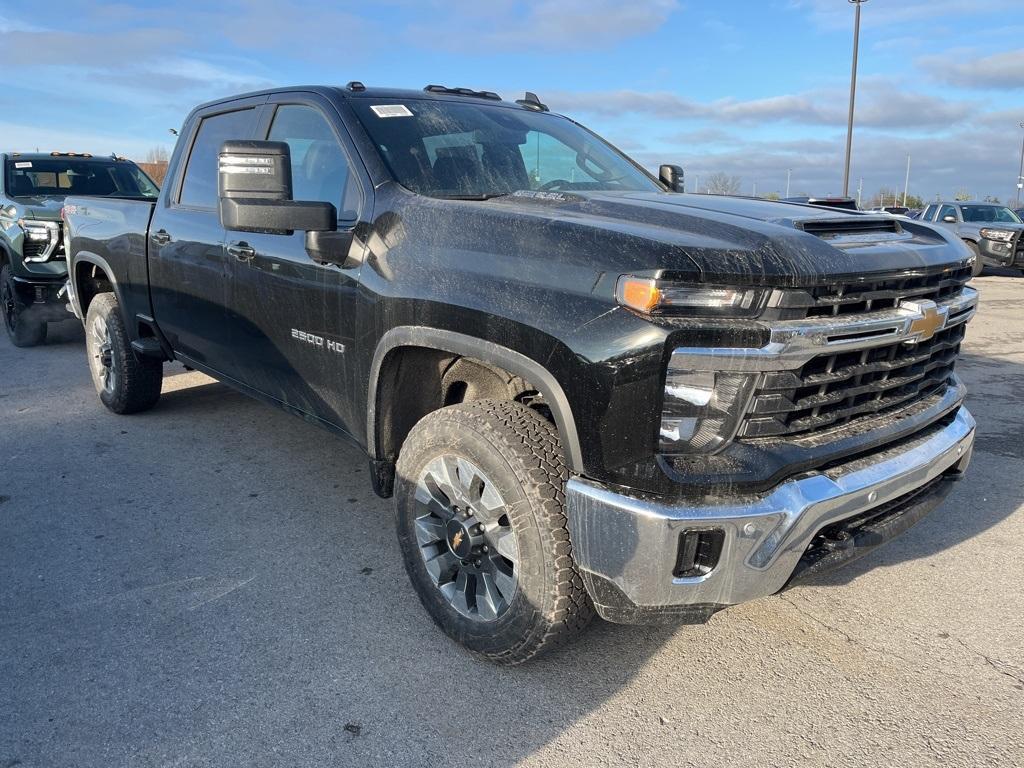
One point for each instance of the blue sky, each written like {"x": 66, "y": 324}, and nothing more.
{"x": 748, "y": 88}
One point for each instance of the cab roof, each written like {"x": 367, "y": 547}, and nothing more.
{"x": 356, "y": 90}
{"x": 29, "y": 156}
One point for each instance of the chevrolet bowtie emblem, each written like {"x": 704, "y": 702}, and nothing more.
{"x": 456, "y": 539}
{"x": 928, "y": 324}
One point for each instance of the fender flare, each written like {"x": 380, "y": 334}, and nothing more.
{"x": 88, "y": 257}
{"x": 485, "y": 351}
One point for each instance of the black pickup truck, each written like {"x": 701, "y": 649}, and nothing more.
{"x": 584, "y": 388}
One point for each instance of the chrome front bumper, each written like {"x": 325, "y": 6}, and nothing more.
{"x": 627, "y": 547}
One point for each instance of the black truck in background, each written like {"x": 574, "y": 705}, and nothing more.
{"x": 585, "y": 389}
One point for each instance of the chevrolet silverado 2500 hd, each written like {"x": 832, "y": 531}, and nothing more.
{"x": 585, "y": 389}
{"x": 32, "y": 266}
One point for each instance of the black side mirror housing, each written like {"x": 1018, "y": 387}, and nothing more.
{"x": 672, "y": 177}
{"x": 254, "y": 181}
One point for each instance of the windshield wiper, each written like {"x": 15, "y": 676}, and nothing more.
{"x": 473, "y": 197}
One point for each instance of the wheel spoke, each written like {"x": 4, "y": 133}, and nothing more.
{"x": 441, "y": 566}
{"x": 505, "y": 543}
{"x": 489, "y": 601}
{"x": 489, "y": 503}
{"x": 431, "y": 498}
{"x": 505, "y": 581}
{"x": 429, "y": 530}
{"x": 441, "y": 473}
{"x": 460, "y": 595}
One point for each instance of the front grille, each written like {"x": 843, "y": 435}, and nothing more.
{"x": 876, "y": 295}
{"x": 833, "y": 389}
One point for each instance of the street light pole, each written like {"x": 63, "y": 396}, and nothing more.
{"x": 853, "y": 92}
{"x": 789, "y": 171}
{"x": 1020, "y": 173}
{"x": 906, "y": 183}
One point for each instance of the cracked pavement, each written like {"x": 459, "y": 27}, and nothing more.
{"x": 214, "y": 584}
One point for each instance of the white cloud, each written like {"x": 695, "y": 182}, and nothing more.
{"x": 550, "y": 25}
{"x": 879, "y": 105}
{"x": 998, "y": 71}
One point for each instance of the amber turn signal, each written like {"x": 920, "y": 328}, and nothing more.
{"x": 638, "y": 293}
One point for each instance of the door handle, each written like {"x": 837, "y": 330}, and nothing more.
{"x": 241, "y": 251}
{"x": 161, "y": 237}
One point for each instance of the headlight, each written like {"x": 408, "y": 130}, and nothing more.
{"x": 701, "y": 410}
{"x": 44, "y": 236}
{"x": 1002, "y": 235}
{"x": 660, "y": 297}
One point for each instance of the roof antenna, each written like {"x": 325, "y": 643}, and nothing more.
{"x": 532, "y": 102}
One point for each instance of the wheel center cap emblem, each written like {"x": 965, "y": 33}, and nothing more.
{"x": 458, "y": 539}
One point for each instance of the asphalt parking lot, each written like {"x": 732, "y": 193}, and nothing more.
{"x": 213, "y": 583}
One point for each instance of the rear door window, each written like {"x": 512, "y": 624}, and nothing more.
{"x": 199, "y": 187}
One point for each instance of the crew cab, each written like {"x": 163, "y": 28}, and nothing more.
{"x": 586, "y": 390}
{"x": 993, "y": 232}
{"x": 32, "y": 266}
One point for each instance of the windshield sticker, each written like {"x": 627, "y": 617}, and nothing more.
{"x": 23, "y": 165}
{"x": 391, "y": 110}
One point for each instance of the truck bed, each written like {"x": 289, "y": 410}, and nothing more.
{"x": 111, "y": 233}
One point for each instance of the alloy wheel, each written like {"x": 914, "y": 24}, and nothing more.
{"x": 465, "y": 537}
{"x": 101, "y": 356}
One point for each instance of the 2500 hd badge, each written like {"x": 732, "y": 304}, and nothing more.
{"x": 318, "y": 341}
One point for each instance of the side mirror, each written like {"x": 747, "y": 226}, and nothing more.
{"x": 254, "y": 181}
{"x": 949, "y": 219}
{"x": 672, "y": 177}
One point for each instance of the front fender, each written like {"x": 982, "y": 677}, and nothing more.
{"x": 485, "y": 351}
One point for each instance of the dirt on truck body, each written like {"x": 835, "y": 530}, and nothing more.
{"x": 587, "y": 391}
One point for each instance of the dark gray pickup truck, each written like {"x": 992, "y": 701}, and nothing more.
{"x": 32, "y": 266}
{"x": 993, "y": 232}
{"x": 586, "y": 390}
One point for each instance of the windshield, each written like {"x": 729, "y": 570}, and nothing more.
{"x": 990, "y": 213}
{"x": 63, "y": 176}
{"x": 476, "y": 151}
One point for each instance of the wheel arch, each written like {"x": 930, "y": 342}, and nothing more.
{"x": 480, "y": 350}
{"x": 85, "y": 266}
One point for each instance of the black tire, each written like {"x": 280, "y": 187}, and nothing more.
{"x": 520, "y": 454}
{"x": 22, "y": 330}
{"x": 979, "y": 265}
{"x": 125, "y": 382}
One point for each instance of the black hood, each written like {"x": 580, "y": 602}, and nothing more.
{"x": 698, "y": 237}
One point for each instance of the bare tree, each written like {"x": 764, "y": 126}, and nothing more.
{"x": 723, "y": 184}
{"x": 962, "y": 194}
{"x": 885, "y": 196}
{"x": 158, "y": 155}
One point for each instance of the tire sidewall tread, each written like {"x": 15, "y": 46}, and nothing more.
{"x": 139, "y": 379}
{"x": 521, "y": 453}
{"x": 26, "y": 332}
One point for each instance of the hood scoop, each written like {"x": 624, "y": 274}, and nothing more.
{"x": 853, "y": 229}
